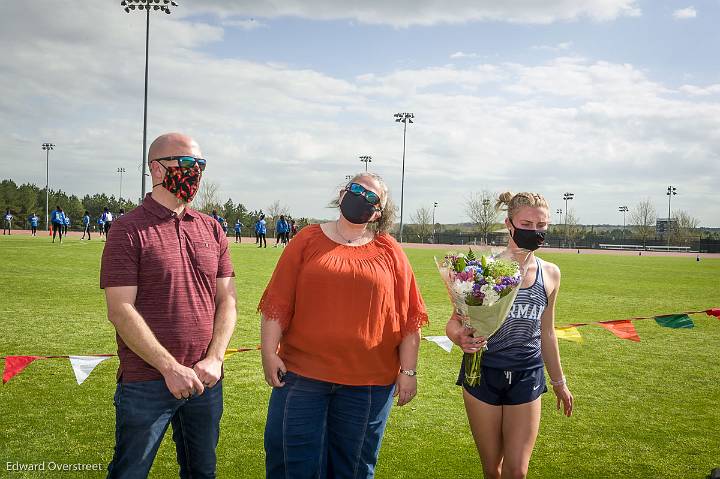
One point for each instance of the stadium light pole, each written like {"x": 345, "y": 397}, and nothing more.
{"x": 567, "y": 197}
{"x": 147, "y": 5}
{"x": 348, "y": 178}
{"x": 47, "y": 147}
{"x": 486, "y": 207}
{"x": 403, "y": 118}
{"x": 623, "y": 209}
{"x": 671, "y": 191}
{"x": 366, "y": 159}
{"x": 434, "y": 206}
{"x": 121, "y": 171}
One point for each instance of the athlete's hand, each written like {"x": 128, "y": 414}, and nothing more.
{"x": 564, "y": 397}
{"x": 463, "y": 336}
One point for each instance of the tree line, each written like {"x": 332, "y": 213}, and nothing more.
{"x": 641, "y": 225}
{"x": 26, "y": 199}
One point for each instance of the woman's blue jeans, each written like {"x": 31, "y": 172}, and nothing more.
{"x": 317, "y": 429}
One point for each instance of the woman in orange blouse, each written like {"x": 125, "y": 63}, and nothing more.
{"x": 341, "y": 321}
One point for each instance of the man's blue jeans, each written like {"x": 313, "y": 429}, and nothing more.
{"x": 143, "y": 411}
{"x": 317, "y": 429}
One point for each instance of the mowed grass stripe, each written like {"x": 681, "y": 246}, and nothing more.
{"x": 643, "y": 409}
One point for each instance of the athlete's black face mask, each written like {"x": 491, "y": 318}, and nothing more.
{"x": 528, "y": 239}
{"x": 356, "y": 209}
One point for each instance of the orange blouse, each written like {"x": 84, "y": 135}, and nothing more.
{"x": 343, "y": 309}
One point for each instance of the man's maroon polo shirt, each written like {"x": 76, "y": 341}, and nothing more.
{"x": 174, "y": 262}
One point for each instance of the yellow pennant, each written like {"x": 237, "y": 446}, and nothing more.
{"x": 229, "y": 352}
{"x": 569, "y": 334}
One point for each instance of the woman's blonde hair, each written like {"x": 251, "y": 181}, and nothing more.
{"x": 513, "y": 202}
{"x": 387, "y": 215}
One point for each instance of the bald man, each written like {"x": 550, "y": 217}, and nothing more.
{"x": 170, "y": 294}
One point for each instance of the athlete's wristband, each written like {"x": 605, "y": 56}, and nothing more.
{"x": 558, "y": 383}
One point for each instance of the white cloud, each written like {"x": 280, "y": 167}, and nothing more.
{"x": 685, "y": 13}
{"x": 610, "y": 131}
{"x": 559, "y": 47}
{"x": 404, "y": 13}
{"x": 244, "y": 24}
{"x": 463, "y": 55}
{"x": 701, "y": 91}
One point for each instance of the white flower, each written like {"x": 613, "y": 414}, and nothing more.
{"x": 463, "y": 287}
{"x": 491, "y": 296}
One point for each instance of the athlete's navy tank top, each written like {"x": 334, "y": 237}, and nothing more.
{"x": 516, "y": 345}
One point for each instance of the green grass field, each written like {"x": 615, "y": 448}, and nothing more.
{"x": 645, "y": 409}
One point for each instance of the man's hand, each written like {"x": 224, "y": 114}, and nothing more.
{"x": 183, "y": 382}
{"x": 208, "y": 371}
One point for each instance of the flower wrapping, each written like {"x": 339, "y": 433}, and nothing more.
{"x": 482, "y": 292}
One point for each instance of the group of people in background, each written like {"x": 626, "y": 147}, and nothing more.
{"x": 60, "y": 222}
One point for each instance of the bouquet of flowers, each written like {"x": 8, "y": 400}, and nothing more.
{"x": 482, "y": 291}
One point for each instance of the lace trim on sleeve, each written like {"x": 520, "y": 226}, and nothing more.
{"x": 271, "y": 311}
{"x": 414, "y": 323}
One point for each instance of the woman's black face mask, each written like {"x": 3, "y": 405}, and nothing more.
{"x": 356, "y": 209}
{"x": 528, "y": 239}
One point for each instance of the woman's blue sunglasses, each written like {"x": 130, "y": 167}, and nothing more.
{"x": 360, "y": 190}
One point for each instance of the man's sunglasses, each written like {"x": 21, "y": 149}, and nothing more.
{"x": 360, "y": 190}
{"x": 184, "y": 161}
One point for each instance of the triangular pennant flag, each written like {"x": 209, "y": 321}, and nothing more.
{"x": 569, "y": 334}
{"x": 228, "y": 353}
{"x": 714, "y": 312}
{"x": 15, "y": 364}
{"x": 622, "y": 328}
{"x": 675, "y": 321}
{"x": 442, "y": 341}
{"x": 84, "y": 365}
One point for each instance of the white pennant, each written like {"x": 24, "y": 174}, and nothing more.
{"x": 442, "y": 341}
{"x": 84, "y": 365}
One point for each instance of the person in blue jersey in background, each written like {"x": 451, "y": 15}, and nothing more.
{"x": 217, "y": 217}
{"x": 281, "y": 229}
{"x": 101, "y": 226}
{"x": 58, "y": 223}
{"x": 261, "y": 231}
{"x": 7, "y": 221}
{"x": 504, "y": 408}
{"x": 238, "y": 231}
{"x": 86, "y": 225}
{"x": 107, "y": 218}
{"x": 67, "y": 224}
{"x": 34, "y": 220}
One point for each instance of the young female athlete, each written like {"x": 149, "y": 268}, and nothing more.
{"x": 504, "y": 408}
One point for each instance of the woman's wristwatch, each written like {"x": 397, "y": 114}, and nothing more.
{"x": 408, "y": 372}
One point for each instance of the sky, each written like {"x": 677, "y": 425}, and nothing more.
{"x": 612, "y": 100}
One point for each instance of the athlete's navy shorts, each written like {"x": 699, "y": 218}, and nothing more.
{"x": 498, "y": 387}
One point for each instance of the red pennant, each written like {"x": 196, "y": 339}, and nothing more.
{"x": 714, "y": 312}
{"x": 15, "y": 364}
{"x": 622, "y": 328}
